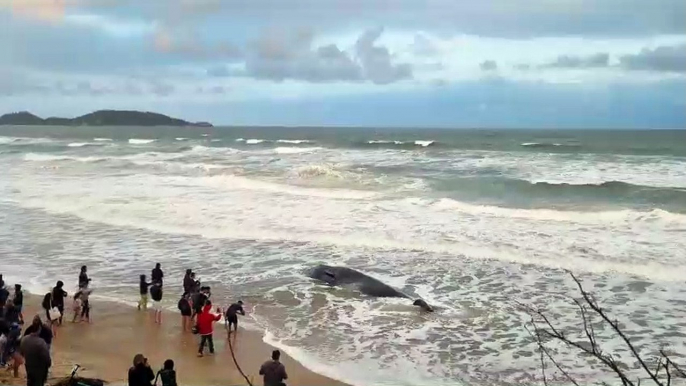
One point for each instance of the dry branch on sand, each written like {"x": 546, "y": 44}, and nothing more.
{"x": 542, "y": 330}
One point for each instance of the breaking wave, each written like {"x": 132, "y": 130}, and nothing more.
{"x": 397, "y": 144}
{"x": 137, "y": 141}
{"x": 295, "y": 150}
{"x": 550, "y": 145}
{"x": 82, "y": 144}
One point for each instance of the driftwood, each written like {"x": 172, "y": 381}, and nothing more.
{"x": 541, "y": 329}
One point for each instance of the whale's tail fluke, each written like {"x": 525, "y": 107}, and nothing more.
{"x": 424, "y": 305}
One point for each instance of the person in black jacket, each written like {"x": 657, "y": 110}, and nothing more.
{"x": 58, "y": 296}
{"x": 83, "y": 277}
{"x": 4, "y": 295}
{"x": 198, "y": 300}
{"x": 232, "y": 316}
{"x": 157, "y": 275}
{"x": 188, "y": 282}
{"x": 140, "y": 374}
{"x": 18, "y": 301}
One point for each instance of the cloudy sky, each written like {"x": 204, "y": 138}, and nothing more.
{"x": 424, "y": 63}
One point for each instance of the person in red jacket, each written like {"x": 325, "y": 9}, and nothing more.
{"x": 205, "y": 324}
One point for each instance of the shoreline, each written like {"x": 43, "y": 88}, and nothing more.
{"x": 105, "y": 348}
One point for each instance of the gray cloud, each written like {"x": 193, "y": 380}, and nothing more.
{"x": 277, "y": 58}
{"x": 132, "y": 89}
{"x": 81, "y": 88}
{"x": 601, "y": 59}
{"x": 376, "y": 60}
{"x": 161, "y": 88}
{"x": 14, "y": 83}
{"x": 422, "y": 46}
{"x": 215, "y": 90}
{"x": 663, "y": 59}
{"x": 488, "y": 65}
{"x": 218, "y": 71}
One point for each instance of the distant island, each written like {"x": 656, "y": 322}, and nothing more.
{"x": 99, "y": 118}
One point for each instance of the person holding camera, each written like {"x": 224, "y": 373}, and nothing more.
{"x": 140, "y": 374}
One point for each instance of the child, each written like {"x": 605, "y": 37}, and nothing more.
{"x": 11, "y": 350}
{"x": 184, "y": 306}
{"x": 205, "y": 323}
{"x": 85, "y": 303}
{"x": 77, "y": 306}
{"x": 167, "y": 374}
{"x": 143, "y": 303}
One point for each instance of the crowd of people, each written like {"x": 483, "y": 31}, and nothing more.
{"x": 32, "y": 348}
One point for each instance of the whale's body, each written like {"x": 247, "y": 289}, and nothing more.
{"x": 348, "y": 277}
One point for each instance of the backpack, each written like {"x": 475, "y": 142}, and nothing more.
{"x": 184, "y": 305}
{"x": 47, "y": 301}
{"x": 156, "y": 292}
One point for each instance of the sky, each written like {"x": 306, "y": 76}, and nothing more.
{"x": 395, "y": 63}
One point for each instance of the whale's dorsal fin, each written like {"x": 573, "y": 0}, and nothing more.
{"x": 330, "y": 274}
{"x": 424, "y": 305}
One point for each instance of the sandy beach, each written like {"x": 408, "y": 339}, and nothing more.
{"x": 105, "y": 349}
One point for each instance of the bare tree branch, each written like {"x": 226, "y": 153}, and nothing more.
{"x": 659, "y": 365}
{"x": 592, "y": 303}
{"x": 544, "y": 350}
{"x": 587, "y": 307}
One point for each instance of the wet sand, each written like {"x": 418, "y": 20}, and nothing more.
{"x": 105, "y": 349}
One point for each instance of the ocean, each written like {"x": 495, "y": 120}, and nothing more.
{"x": 473, "y": 221}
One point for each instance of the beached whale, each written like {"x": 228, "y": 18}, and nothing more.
{"x": 343, "y": 276}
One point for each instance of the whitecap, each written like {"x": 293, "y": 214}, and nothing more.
{"x": 25, "y": 140}
{"x": 181, "y": 139}
{"x": 254, "y": 141}
{"x": 424, "y": 143}
{"x": 379, "y": 142}
{"x": 137, "y": 141}
{"x": 81, "y": 144}
{"x": 293, "y": 141}
{"x": 102, "y": 139}
{"x": 560, "y": 215}
{"x": 4, "y": 140}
